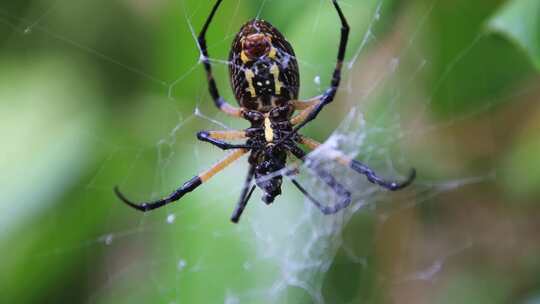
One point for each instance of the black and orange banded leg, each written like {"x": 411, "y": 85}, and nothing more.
{"x": 217, "y": 138}
{"x": 212, "y": 87}
{"x": 363, "y": 169}
{"x": 244, "y": 197}
{"x": 305, "y": 104}
{"x": 188, "y": 186}
{"x": 305, "y": 107}
{"x": 344, "y": 194}
{"x": 330, "y": 93}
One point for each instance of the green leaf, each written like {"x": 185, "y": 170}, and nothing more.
{"x": 518, "y": 20}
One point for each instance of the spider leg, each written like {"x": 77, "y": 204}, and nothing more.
{"x": 304, "y": 104}
{"x": 324, "y": 209}
{"x": 217, "y": 138}
{"x": 330, "y": 93}
{"x": 364, "y": 169}
{"x": 188, "y": 186}
{"x": 244, "y": 197}
{"x": 305, "y": 107}
{"x": 344, "y": 194}
{"x": 212, "y": 87}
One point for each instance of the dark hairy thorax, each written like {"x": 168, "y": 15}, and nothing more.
{"x": 263, "y": 67}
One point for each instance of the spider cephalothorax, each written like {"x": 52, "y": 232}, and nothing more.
{"x": 267, "y": 157}
{"x": 265, "y": 81}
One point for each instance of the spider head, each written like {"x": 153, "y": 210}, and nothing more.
{"x": 267, "y": 175}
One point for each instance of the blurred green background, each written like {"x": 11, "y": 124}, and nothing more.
{"x": 101, "y": 93}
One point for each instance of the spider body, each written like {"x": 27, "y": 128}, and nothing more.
{"x": 265, "y": 81}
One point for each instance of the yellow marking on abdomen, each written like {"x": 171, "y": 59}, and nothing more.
{"x": 278, "y": 85}
{"x": 268, "y": 131}
{"x": 272, "y": 53}
{"x": 249, "y": 77}
{"x": 244, "y": 57}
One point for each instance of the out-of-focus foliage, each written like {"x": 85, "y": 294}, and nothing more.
{"x": 518, "y": 21}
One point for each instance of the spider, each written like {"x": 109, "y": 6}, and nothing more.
{"x": 265, "y": 80}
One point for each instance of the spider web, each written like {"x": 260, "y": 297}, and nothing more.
{"x": 284, "y": 253}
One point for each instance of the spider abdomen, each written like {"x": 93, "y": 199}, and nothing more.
{"x": 263, "y": 67}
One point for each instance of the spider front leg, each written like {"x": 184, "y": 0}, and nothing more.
{"x": 364, "y": 169}
{"x": 212, "y": 87}
{"x": 217, "y": 138}
{"x": 188, "y": 186}
{"x": 306, "y": 104}
{"x": 305, "y": 107}
{"x": 312, "y": 111}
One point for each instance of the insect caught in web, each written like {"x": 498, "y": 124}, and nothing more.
{"x": 265, "y": 80}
